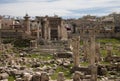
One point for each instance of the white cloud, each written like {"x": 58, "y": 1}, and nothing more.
{"x": 59, "y": 7}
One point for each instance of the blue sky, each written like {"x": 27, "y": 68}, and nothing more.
{"x": 64, "y": 8}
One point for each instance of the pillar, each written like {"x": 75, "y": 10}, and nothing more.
{"x": 76, "y": 45}
{"x": 38, "y": 31}
{"x": 45, "y": 29}
{"x": 93, "y": 66}
{"x": 27, "y": 24}
{"x": 59, "y": 32}
{"x": 92, "y": 50}
{"x": 86, "y": 50}
{"x": 98, "y": 56}
{"x": 49, "y": 35}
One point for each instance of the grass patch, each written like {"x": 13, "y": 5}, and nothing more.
{"x": 116, "y": 52}
{"x": 84, "y": 64}
{"x": 103, "y": 53}
{"x": 105, "y": 63}
{"x": 11, "y": 78}
{"x": 81, "y": 42}
{"x": 115, "y": 43}
{"x": 108, "y": 40}
{"x": 66, "y": 72}
{"x": 44, "y": 57}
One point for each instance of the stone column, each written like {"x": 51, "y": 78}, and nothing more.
{"x": 0, "y": 23}
{"x": 92, "y": 50}
{"x": 64, "y": 33}
{"x": 92, "y": 59}
{"x": 76, "y": 45}
{"x": 59, "y": 29}
{"x": 45, "y": 28}
{"x": 49, "y": 31}
{"x": 27, "y": 24}
{"x": 38, "y": 31}
{"x": 45, "y": 32}
{"x": 97, "y": 48}
{"x": 61, "y": 77}
{"x": 86, "y": 50}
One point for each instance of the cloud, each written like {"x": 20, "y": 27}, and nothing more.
{"x": 64, "y": 8}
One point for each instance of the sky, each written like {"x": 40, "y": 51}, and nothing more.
{"x": 62, "y": 8}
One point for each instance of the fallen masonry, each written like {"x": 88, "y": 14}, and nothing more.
{"x": 61, "y": 65}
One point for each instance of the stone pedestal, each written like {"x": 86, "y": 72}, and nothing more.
{"x": 93, "y": 72}
{"x": 44, "y": 77}
{"x": 77, "y": 76}
{"x": 61, "y": 77}
{"x": 36, "y": 77}
{"x": 27, "y": 77}
{"x": 33, "y": 44}
{"x": 109, "y": 49}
